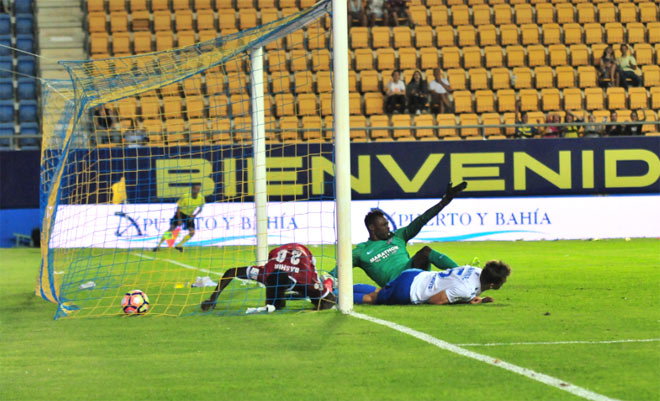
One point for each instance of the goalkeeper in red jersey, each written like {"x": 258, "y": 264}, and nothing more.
{"x": 290, "y": 267}
{"x": 384, "y": 256}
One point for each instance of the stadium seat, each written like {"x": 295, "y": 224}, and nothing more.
{"x": 439, "y": 15}
{"x": 445, "y": 36}
{"x": 545, "y": 13}
{"x": 446, "y": 120}
{"x": 359, "y": 37}
{"x": 380, "y": 37}
{"x": 515, "y": 56}
{"x": 424, "y": 120}
{"x": 469, "y": 119}
{"x": 175, "y": 129}
{"x": 544, "y": 77}
{"x": 401, "y": 121}
{"x": 653, "y": 29}
{"x": 460, "y": 15}
{"x": 485, "y": 101}
{"x": 491, "y": 119}
{"x": 227, "y": 20}
{"x": 380, "y": 121}
{"x": 481, "y": 15}
{"x": 364, "y": 59}
{"x": 614, "y": 32}
{"x": 407, "y": 58}
{"x": 651, "y": 75}
{"x": 6, "y": 67}
{"x": 142, "y": 42}
{"x": 627, "y": 13}
{"x": 164, "y": 40}
{"x": 96, "y": 22}
{"x": 27, "y": 111}
{"x": 522, "y": 77}
{"x": 218, "y": 106}
{"x": 356, "y": 122}
{"x": 558, "y": 55}
{"x": 402, "y": 36}
{"x": 565, "y": 13}
{"x": 386, "y": 59}
{"x": 247, "y": 18}
{"x": 494, "y": 56}
{"x": 118, "y": 21}
{"x": 572, "y": 99}
{"x": 579, "y": 55}
{"x": 586, "y": 76}
{"x": 502, "y": 14}
{"x": 593, "y": 33}
{"x": 572, "y": 34}
{"x": 6, "y": 111}
{"x": 529, "y": 34}
{"x": 594, "y": 98}
{"x": 451, "y": 57}
{"x": 478, "y": 78}
{"x": 6, "y": 89}
{"x": 324, "y": 81}
{"x": 98, "y": 43}
{"x": 29, "y": 129}
{"x": 467, "y": 36}
{"x": 586, "y": 13}
{"x": 299, "y": 60}
{"x": 643, "y": 54}
{"x": 501, "y": 78}
{"x": 550, "y": 99}
{"x": 127, "y": 107}
{"x": 307, "y": 104}
{"x": 215, "y": 83}
{"x": 648, "y": 12}
{"x": 373, "y": 103}
{"x": 649, "y": 115}
{"x": 289, "y": 129}
{"x": 316, "y": 37}
{"x": 487, "y": 35}
{"x": 7, "y": 130}
{"x": 524, "y": 14}
{"x": 24, "y": 24}
{"x": 636, "y": 32}
{"x": 637, "y": 97}
{"x": 423, "y": 37}
{"x": 303, "y": 82}
{"x": 312, "y": 129}
{"x": 325, "y": 100}
{"x": 456, "y": 78}
{"x": 95, "y": 5}
{"x": 529, "y": 100}
{"x": 284, "y": 105}
{"x": 428, "y": 58}
{"x": 418, "y": 15}
{"x": 565, "y": 77}
{"x": 536, "y": 55}
{"x": 606, "y": 12}
{"x": 5, "y": 49}
{"x": 471, "y": 57}
{"x": 26, "y": 89}
{"x": 25, "y": 43}
{"x": 352, "y": 81}
{"x": 462, "y": 102}
{"x": 321, "y": 60}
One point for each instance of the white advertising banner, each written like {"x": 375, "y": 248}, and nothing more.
{"x": 465, "y": 219}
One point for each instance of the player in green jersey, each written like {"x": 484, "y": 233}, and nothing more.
{"x": 384, "y": 256}
{"x": 187, "y": 208}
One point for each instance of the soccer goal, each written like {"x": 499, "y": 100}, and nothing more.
{"x": 161, "y": 171}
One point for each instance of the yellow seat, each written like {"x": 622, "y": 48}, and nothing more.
{"x": 614, "y": 31}
{"x": 183, "y": 20}
{"x": 445, "y": 36}
{"x": 356, "y": 122}
{"x": 298, "y": 60}
{"x": 524, "y": 14}
{"x": 550, "y": 99}
{"x": 197, "y": 131}
{"x": 491, "y": 119}
{"x": 469, "y": 119}
{"x": 403, "y": 122}
{"x": 653, "y": 29}
{"x": 284, "y": 105}
{"x": 197, "y": 4}
{"x": 373, "y": 103}
{"x": 369, "y": 81}
{"x": 303, "y": 82}
{"x": 485, "y": 101}
{"x": 176, "y": 129}
{"x": 572, "y": 34}
{"x": 648, "y": 12}
{"x": 402, "y": 36}
{"x": 529, "y": 100}
{"x": 380, "y": 37}
{"x": 627, "y": 12}
{"x": 529, "y": 34}
{"x": 312, "y": 129}
{"x": 579, "y": 55}
{"x": 487, "y": 35}
{"x": 451, "y": 57}
{"x": 545, "y": 13}
{"x": 428, "y": 58}
{"x": 467, "y": 36}
{"x": 551, "y": 34}
{"x": 153, "y": 128}
{"x": 289, "y": 129}
{"x": 170, "y": 90}
{"x": 354, "y": 103}
{"x": 418, "y": 15}
{"x": 195, "y": 106}
{"x": 544, "y": 77}
{"x": 150, "y": 107}
{"x": 572, "y": 99}
{"x": 446, "y": 120}
{"x": 276, "y": 60}
{"x": 316, "y": 38}
{"x": 471, "y": 57}
{"x": 636, "y": 32}
{"x": 509, "y": 35}
{"x": 558, "y": 55}
{"x": 240, "y": 105}
{"x": 637, "y": 97}
{"x": 594, "y": 98}
{"x": 515, "y": 56}
{"x": 295, "y": 40}
{"x": 98, "y": 43}
{"x": 439, "y": 15}
{"x": 536, "y": 55}
{"x": 501, "y": 78}
{"x": 643, "y": 54}
{"x": 215, "y": 83}
{"x": 119, "y": 21}
{"x": 227, "y": 20}
{"x": 587, "y": 76}
{"x": 159, "y": 5}
{"x": 379, "y": 121}
{"x": 606, "y": 12}
{"x": 364, "y": 59}
{"x": 423, "y": 36}
{"x": 456, "y": 78}
{"x": 164, "y": 40}
{"x": 478, "y": 78}
{"x": 241, "y": 4}
{"x": 321, "y": 60}
{"x": 522, "y": 78}
{"x": 565, "y": 13}
{"x": 269, "y": 14}
{"x": 307, "y": 104}
{"x": 651, "y": 74}
{"x": 502, "y": 14}
{"x": 481, "y": 14}
{"x": 655, "y": 97}
{"x": 460, "y": 15}
{"x": 593, "y": 33}
{"x": 280, "y": 82}
{"x": 586, "y": 13}
{"x": 186, "y": 38}
{"x": 424, "y": 120}
{"x": 565, "y": 77}
{"x": 386, "y": 59}
{"x": 407, "y": 58}
{"x": 462, "y": 102}
{"x": 326, "y": 104}
{"x": 494, "y": 56}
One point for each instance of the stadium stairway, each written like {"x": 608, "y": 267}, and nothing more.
{"x": 61, "y": 35}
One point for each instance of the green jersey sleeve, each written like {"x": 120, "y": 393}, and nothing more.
{"x": 412, "y": 229}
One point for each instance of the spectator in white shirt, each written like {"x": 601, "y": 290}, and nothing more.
{"x": 395, "y": 95}
{"x": 440, "y": 90}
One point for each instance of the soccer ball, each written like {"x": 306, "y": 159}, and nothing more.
{"x": 135, "y": 302}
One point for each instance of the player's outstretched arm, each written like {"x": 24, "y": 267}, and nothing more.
{"x": 416, "y": 226}
{"x": 236, "y": 272}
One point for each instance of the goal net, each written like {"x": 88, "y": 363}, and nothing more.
{"x": 128, "y": 139}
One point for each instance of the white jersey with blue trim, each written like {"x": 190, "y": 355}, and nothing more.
{"x": 461, "y": 284}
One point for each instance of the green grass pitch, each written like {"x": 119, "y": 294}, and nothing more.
{"x": 558, "y": 291}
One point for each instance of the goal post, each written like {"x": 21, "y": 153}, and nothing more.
{"x": 245, "y": 116}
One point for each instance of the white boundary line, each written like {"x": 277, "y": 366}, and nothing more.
{"x": 641, "y": 340}
{"x": 540, "y": 377}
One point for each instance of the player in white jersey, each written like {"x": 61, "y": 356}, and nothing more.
{"x": 462, "y": 284}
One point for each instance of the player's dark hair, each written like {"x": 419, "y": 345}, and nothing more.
{"x": 495, "y": 272}
{"x": 371, "y": 217}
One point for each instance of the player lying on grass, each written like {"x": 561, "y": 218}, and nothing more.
{"x": 458, "y": 285}
{"x": 290, "y": 267}
{"x": 185, "y": 215}
{"x": 384, "y": 256}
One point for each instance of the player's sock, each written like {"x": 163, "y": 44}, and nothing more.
{"x": 441, "y": 261}
{"x": 360, "y": 290}
{"x": 183, "y": 241}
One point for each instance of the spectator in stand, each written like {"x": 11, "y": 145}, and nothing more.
{"x": 571, "y": 131}
{"x": 551, "y": 131}
{"x": 376, "y": 10}
{"x": 395, "y": 95}
{"x": 592, "y": 129}
{"x": 105, "y": 119}
{"x": 417, "y": 93}
{"x": 633, "y": 129}
{"x": 607, "y": 71}
{"x": 521, "y": 130}
{"x": 628, "y": 68}
{"x": 614, "y": 130}
{"x": 396, "y": 9}
{"x": 357, "y": 12}
{"x": 440, "y": 90}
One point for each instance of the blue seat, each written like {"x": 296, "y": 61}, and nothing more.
{"x": 6, "y": 89}
{"x": 23, "y": 6}
{"x": 27, "y": 111}
{"x": 29, "y": 129}
{"x": 24, "y": 24}
{"x": 5, "y": 40}
{"x": 5, "y": 24}
{"x": 6, "y": 67}
{"x": 27, "y": 89}
{"x": 25, "y": 42}
{"x": 26, "y": 65}
{"x": 6, "y": 132}
{"x": 6, "y": 111}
